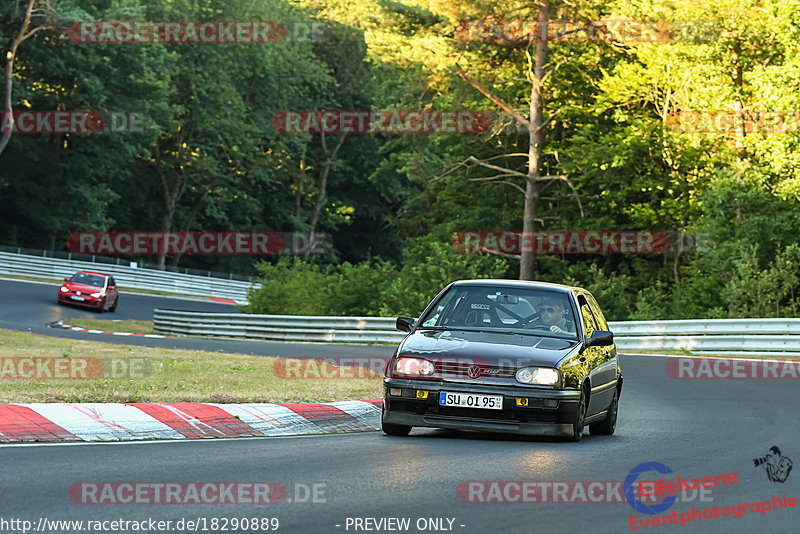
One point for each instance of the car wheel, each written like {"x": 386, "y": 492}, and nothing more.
{"x": 395, "y": 430}
{"x": 391, "y": 429}
{"x": 609, "y": 424}
{"x": 114, "y": 307}
{"x": 102, "y": 307}
{"x": 580, "y": 417}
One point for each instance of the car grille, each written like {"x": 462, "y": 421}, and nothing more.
{"x": 470, "y": 370}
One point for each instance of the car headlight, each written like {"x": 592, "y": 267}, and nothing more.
{"x": 97, "y": 295}
{"x": 413, "y": 367}
{"x": 539, "y": 376}
{"x": 64, "y": 289}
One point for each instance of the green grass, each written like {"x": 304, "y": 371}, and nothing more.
{"x": 113, "y": 325}
{"x": 161, "y": 375}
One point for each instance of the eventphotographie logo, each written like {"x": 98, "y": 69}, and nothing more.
{"x": 777, "y": 467}
{"x": 667, "y": 489}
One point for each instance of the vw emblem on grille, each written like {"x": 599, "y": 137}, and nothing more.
{"x": 474, "y": 371}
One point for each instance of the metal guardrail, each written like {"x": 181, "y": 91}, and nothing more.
{"x": 741, "y": 337}
{"x": 780, "y": 337}
{"x": 117, "y": 260}
{"x": 278, "y": 327}
{"x": 127, "y": 277}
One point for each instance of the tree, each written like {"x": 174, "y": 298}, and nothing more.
{"x": 43, "y": 9}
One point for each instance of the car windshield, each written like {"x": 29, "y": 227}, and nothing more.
{"x": 503, "y": 309}
{"x": 88, "y": 279}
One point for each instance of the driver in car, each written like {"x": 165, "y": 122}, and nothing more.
{"x": 552, "y": 316}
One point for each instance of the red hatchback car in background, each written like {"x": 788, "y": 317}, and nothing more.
{"x": 86, "y": 288}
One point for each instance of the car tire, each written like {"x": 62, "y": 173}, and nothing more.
{"x": 580, "y": 417}
{"x": 395, "y": 430}
{"x": 102, "y": 307}
{"x": 113, "y": 308}
{"x": 391, "y": 429}
{"x": 609, "y": 424}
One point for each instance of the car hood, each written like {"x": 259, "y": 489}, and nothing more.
{"x": 486, "y": 348}
{"x": 83, "y": 288}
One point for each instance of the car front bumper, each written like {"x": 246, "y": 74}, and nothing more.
{"x": 89, "y": 301}
{"x": 549, "y": 412}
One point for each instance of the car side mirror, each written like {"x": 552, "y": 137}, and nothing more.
{"x": 600, "y": 338}
{"x": 66, "y": 279}
{"x": 405, "y": 324}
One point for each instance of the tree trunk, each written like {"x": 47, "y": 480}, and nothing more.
{"x": 171, "y": 196}
{"x": 531, "y": 213}
{"x": 190, "y": 221}
{"x": 322, "y": 186}
{"x": 9, "y": 73}
{"x": 738, "y": 114}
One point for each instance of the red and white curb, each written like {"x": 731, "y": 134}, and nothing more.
{"x": 59, "y": 324}
{"x": 182, "y": 420}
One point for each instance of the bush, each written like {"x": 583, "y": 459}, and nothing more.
{"x": 373, "y": 288}
{"x": 428, "y": 266}
{"x": 289, "y": 287}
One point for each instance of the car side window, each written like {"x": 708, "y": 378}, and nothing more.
{"x": 111, "y": 282}
{"x": 598, "y": 313}
{"x": 589, "y": 322}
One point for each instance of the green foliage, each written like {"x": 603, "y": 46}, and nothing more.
{"x": 290, "y": 287}
{"x": 293, "y": 287}
{"x": 428, "y": 266}
{"x": 393, "y": 202}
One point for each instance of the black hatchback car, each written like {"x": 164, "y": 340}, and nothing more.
{"x": 505, "y": 356}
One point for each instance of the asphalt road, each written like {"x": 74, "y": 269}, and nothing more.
{"x": 697, "y": 428}
{"x": 31, "y": 306}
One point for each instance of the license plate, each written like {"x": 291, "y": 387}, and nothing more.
{"x": 469, "y": 400}
{"x": 78, "y": 298}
